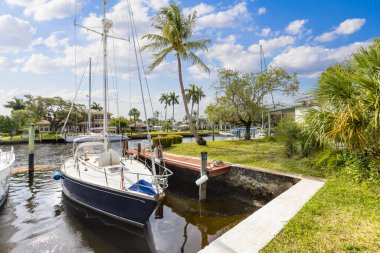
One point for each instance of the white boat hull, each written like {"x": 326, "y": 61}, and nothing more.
{"x": 7, "y": 159}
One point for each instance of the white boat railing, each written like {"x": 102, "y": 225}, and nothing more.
{"x": 158, "y": 181}
{"x": 6, "y": 157}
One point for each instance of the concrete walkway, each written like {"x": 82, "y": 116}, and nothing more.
{"x": 253, "y": 233}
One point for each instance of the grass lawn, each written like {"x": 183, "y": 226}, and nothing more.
{"x": 344, "y": 216}
{"x": 257, "y": 153}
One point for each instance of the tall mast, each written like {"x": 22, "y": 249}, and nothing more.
{"x": 89, "y": 101}
{"x": 107, "y": 24}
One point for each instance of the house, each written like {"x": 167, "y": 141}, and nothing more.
{"x": 138, "y": 127}
{"x": 96, "y": 123}
{"x": 43, "y": 126}
{"x": 296, "y": 112}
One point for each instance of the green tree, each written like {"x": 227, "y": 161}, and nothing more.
{"x": 167, "y": 126}
{"x": 54, "y": 110}
{"x": 279, "y": 80}
{"x": 176, "y": 31}
{"x": 240, "y": 97}
{"x": 191, "y": 94}
{"x": 8, "y": 125}
{"x": 135, "y": 114}
{"x": 164, "y": 99}
{"x": 15, "y": 104}
{"x": 199, "y": 96}
{"x": 120, "y": 123}
{"x": 173, "y": 100}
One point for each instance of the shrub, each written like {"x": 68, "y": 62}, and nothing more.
{"x": 164, "y": 141}
{"x": 289, "y": 132}
{"x": 177, "y": 139}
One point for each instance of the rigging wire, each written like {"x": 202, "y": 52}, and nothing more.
{"x": 142, "y": 62}
{"x": 72, "y": 102}
{"x": 138, "y": 67}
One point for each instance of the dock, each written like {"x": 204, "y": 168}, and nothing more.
{"x": 187, "y": 162}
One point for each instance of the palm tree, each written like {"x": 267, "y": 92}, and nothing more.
{"x": 349, "y": 106}
{"x": 164, "y": 99}
{"x": 175, "y": 34}
{"x": 199, "y": 96}
{"x": 96, "y": 106}
{"x": 135, "y": 114}
{"x": 173, "y": 100}
{"x": 191, "y": 94}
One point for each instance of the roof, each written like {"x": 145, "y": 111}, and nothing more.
{"x": 282, "y": 109}
{"x": 138, "y": 124}
{"x": 99, "y": 112}
{"x": 43, "y": 122}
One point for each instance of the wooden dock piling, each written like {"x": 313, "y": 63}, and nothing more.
{"x": 31, "y": 148}
{"x": 203, "y": 172}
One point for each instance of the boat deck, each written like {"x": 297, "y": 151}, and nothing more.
{"x": 108, "y": 176}
{"x": 187, "y": 162}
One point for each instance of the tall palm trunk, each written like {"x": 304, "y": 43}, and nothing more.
{"x": 198, "y": 117}
{"x": 166, "y": 110}
{"x": 198, "y": 138}
{"x": 173, "y": 115}
{"x": 192, "y": 106}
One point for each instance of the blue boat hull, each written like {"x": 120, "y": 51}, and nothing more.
{"x": 116, "y": 204}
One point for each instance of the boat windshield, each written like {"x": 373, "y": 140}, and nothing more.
{"x": 89, "y": 148}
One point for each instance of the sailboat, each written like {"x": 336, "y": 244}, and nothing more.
{"x": 98, "y": 178}
{"x": 7, "y": 159}
{"x": 90, "y": 135}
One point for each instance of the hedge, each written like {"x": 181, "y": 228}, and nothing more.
{"x": 177, "y": 139}
{"x": 165, "y": 141}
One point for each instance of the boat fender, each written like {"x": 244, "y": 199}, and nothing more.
{"x": 57, "y": 175}
{"x": 201, "y": 180}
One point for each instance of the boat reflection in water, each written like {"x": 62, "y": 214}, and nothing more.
{"x": 106, "y": 234}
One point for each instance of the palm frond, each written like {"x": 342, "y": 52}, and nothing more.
{"x": 198, "y": 62}
{"x": 159, "y": 58}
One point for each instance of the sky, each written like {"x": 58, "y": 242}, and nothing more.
{"x": 42, "y": 53}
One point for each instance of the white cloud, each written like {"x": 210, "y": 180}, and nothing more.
{"x": 261, "y": 11}
{"x": 224, "y": 19}
{"x": 296, "y": 26}
{"x": 201, "y": 9}
{"x": 3, "y": 61}
{"x": 44, "y": 10}
{"x": 235, "y": 56}
{"x": 348, "y": 26}
{"x": 265, "y": 32}
{"x": 52, "y": 41}
{"x": 199, "y": 74}
{"x": 310, "y": 61}
{"x": 16, "y": 34}
{"x": 270, "y": 46}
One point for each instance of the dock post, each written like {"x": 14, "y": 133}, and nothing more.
{"x": 138, "y": 149}
{"x": 125, "y": 148}
{"x": 203, "y": 186}
{"x": 31, "y": 147}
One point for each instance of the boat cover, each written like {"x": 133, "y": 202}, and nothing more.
{"x": 144, "y": 187}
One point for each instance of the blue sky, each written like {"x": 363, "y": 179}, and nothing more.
{"x": 39, "y": 44}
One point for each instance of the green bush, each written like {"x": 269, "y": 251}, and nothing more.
{"x": 358, "y": 166}
{"x": 289, "y": 132}
{"x": 164, "y": 141}
{"x": 177, "y": 139}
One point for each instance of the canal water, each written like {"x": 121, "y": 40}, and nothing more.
{"x": 37, "y": 218}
